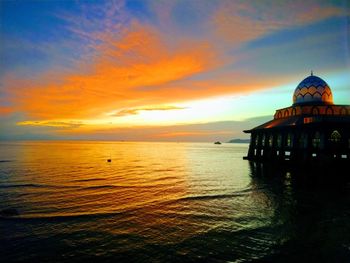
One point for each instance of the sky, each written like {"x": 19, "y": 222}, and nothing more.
{"x": 144, "y": 70}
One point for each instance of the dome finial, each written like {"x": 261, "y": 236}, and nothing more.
{"x": 312, "y": 72}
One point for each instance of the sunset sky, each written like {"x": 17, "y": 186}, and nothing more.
{"x": 163, "y": 70}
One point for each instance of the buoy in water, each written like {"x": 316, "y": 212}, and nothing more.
{"x": 109, "y": 160}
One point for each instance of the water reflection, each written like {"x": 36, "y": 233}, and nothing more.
{"x": 165, "y": 202}
{"x": 311, "y": 211}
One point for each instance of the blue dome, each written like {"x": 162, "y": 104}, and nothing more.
{"x": 313, "y": 90}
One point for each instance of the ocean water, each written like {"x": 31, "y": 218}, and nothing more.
{"x": 164, "y": 202}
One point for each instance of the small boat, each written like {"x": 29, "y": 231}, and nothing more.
{"x": 109, "y": 160}
{"x": 217, "y": 142}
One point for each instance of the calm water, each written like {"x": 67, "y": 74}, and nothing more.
{"x": 162, "y": 202}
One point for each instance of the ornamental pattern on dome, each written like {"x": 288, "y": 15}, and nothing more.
{"x": 313, "y": 90}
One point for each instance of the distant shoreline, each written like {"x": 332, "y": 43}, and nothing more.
{"x": 239, "y": 141}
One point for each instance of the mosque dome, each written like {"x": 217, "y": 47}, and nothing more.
{"x": 313, "y": 90}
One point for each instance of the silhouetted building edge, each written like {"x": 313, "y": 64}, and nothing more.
{"x": 313, "y": 129}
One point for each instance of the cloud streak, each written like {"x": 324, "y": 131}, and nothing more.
{"x": 241, "y": 21}
{"x": 55, "y": 124}
{"x": 134, "y": 111}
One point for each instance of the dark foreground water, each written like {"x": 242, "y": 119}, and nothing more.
{"x": 164, "y": 202}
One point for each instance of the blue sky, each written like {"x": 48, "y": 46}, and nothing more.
{"x": 112, "y": 69}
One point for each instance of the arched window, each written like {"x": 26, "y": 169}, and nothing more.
{"x": 335, "y": 136}
{"x": 315, "y": 111}
{"x": 289, "y": 142}
{"x": 279, "y": 115}
{"x": 270, "y": 140}
{"x": 257, "y": 140}
{"x": 329, "y": 111}
{"x": 252, "y": 139}
{"x": 286, "y": 113}
{"x": 343, "y": 111}
{"x": 263, "y": 140}
{"x": 294, "y": 112}
{"x": 279, "y": 140}
{"x": 303, "y": 141}
{"x": 316, "y": 140}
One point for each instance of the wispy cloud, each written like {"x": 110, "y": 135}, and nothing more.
{"x": 5, "y": 110}
{"x": 96, "y": 22}
{"x": 56, "y": 124}
{"x": 134, "y": 111}
{"x": 139, "y": 59}
{"x": 242, "y": 21}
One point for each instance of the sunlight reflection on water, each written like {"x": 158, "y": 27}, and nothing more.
{"x": 154, "y": 202}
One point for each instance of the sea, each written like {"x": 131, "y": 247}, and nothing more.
{"x": 62, "y": 201}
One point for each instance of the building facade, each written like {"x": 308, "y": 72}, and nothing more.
{"x": 313, "y": 128}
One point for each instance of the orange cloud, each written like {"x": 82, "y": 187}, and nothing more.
{"x": 56, "y": 124}
{"x": 139, "y": 60}
{"x": 129, "y": 70}
{"x": 5, "y": 110}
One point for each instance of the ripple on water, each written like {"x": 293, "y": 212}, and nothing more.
{"x": 159, "y": 202}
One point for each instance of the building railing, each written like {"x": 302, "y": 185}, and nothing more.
{"x": 316, "y": 110}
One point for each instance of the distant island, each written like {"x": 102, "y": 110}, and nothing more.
{"x": 239, "y": 141}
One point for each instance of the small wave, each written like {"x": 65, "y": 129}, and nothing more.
{"x": 6, "y": 161}
{"x": 205, "y": 197}
{"x": 88, "y": 180}
{"x": 195, "y": 216}
{"x": 21, "y": 185}
{"x": 166, "y": 178}
{"x": 36, "y": 186}
{"x": 96, "y": 187}
{"x": 163, "y": 170}
{"x": 63, "y": 217}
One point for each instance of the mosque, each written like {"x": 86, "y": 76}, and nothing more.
{"x": 312, "y": 129}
